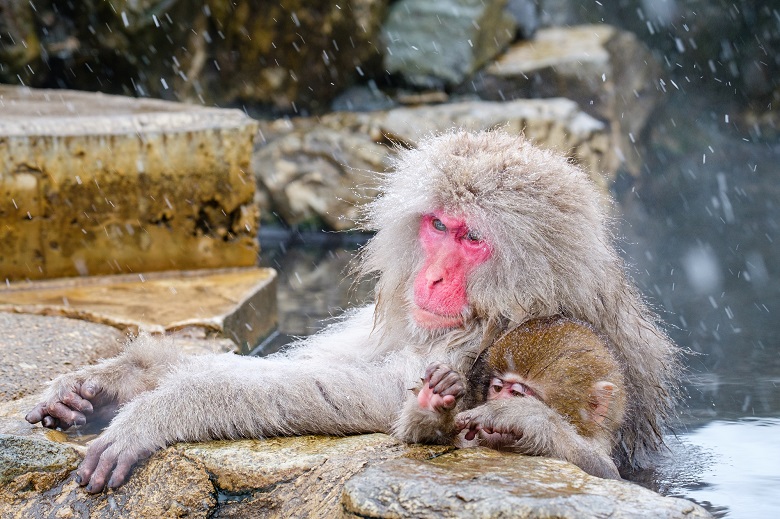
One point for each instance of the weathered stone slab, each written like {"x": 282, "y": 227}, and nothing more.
{"x": 239, "y": 304}
{"x": 96, "y": 184}
{"x": 35, "y": 349}
{"x": 608, "y": 72}
{"x": 483, "y": 483}
{"x": 294, "y": 477}
{"x": 433, "y": 43}
{"x": 278, "y": 477}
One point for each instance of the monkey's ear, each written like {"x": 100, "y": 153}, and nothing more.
{"x": 600, "y": 399}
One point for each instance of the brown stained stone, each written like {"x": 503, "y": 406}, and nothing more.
{"x": 97, "y": 184}
{"x": 483, "y": 483}
{"x": 239, "y": 304}
{"x": 40, "y": 484}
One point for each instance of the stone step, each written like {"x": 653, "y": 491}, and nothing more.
{"x": 238, "y": 303}
{"x": 97, "y": 184}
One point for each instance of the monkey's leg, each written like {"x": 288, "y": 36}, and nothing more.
{"x": 226, "y": 396}
{"x": 428, "y": 415}
{"x": 95, "y": 392}
{"x": 539, "y": 431}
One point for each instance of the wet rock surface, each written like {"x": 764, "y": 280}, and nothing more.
{"x": 312, "y": 476}
{"x": 484, "y": 483}
{"x": 95, "y": 184}
{"x": 167, "y": 485}
{"x": 238, "y": 304}
{"x": 293, "y": 477}
{"x": 35, "y": 349}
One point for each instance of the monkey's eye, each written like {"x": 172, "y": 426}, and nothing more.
{"x": 496, "y": 385}
{"x": 474, "y": 236}
{"x": 438, "y": 225}
{"x": 519, "y": 389}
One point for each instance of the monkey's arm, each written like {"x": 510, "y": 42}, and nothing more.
{"x": 95, "y": 392}
{"x": 539, "y": 431}
{"x": 226, "y": 396}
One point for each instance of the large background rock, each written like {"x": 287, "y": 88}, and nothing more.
{"x": 433, "y": 43}
{"x": 319, "y": 171}
{"x": 609, "y": 73}
{"x": 275, "y": 53}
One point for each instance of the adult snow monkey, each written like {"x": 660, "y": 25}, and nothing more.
{"x": 476, "y": 233}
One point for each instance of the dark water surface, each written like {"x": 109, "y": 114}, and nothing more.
{"x": 701, "y": 232}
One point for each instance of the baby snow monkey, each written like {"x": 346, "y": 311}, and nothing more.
{"x": 549, "y": 387}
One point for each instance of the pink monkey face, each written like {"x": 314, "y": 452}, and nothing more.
{"x": 452, "y": 251}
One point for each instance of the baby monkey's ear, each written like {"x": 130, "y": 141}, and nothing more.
{"x": 599, "y": 400}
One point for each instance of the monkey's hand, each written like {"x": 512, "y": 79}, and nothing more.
{"x": 94, "y": 393}
{"x": 483, "y": 422}
{"x": 442, "y": 387}
{"x": 527, "y": 425}
{"x": 110, "y": 459}
{"x": 73, "y": 400}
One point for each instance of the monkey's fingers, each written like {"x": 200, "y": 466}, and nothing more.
{"x": 433, "y": 366}
{"x": 65, "y": 416}
{"x": 37, "y": 414}
{"x": 124, "y": 466}
{"x": 77, "y": 403}
{"x": 450, "y": 384}
{"x": 445, "y": 402}
{"x": 90, "y": 390}
{"x": 471, "y": 434}
{"x": 88, "y": 473}
{"x": 435, "y": 371}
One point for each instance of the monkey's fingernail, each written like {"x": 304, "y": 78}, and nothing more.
{"x": 78, "y": 479}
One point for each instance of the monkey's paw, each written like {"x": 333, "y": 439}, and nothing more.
{"x": 480, "y": 423}
{"x": 441, "y": 388}
{"x": 108, "y": 463}
{"x": 70, "y": 402}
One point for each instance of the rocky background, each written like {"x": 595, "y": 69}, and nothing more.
{"x": 329, "y": 77}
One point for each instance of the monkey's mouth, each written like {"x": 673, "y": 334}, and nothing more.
{"x": 433, "y": 321}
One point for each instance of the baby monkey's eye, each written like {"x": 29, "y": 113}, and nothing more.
{"x": 438, "y": 225}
